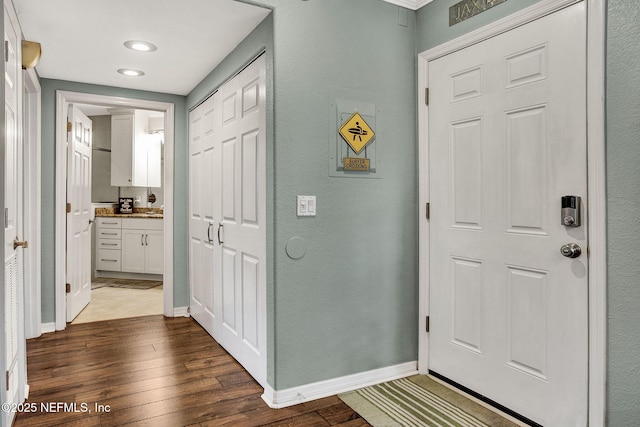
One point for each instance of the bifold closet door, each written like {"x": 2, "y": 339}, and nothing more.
{"x": 228, "y": 215}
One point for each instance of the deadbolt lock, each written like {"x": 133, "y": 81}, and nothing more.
{"x": 570, "y": 211}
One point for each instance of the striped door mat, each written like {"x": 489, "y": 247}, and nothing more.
{"x": 419, "y": 401}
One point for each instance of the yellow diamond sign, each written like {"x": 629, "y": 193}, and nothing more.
{"x": 357, "y": 133}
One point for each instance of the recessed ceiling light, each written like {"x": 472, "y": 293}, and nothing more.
{"x": 131, "y": 72}
{"x": 140, "y": 46}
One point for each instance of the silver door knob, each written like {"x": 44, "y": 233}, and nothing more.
{"x": 571, "y": 250}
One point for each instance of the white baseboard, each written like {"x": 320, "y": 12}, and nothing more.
{"x": 181, "y": 312}
{"x": 45, "y": 328}
{"x": 292, "y": 396}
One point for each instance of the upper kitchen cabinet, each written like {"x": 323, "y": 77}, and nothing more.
{"x": 135, "y": 152}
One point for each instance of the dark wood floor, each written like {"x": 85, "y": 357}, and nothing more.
{"x": 153, "y": 371}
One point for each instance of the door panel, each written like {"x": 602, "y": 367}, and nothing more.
{"x": 204, "y": 216}
{"x": 78, "y": 219}
{"x": 508, "y": 313}
{"x": 229, "y": 179}
{"x": 229, "y": 289}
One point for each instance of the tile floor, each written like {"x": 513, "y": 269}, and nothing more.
{"x": 118, "y": 303}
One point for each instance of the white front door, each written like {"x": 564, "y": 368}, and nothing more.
{"x": 507, "y": 140}
{"x": 14, "y": 345}
{"x": 78, "y": 212}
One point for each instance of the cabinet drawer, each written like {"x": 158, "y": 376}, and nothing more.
{"x": 109, "y": 244}
{"x": 106, "y": 222}
{"x": 109, "y": 259}
{"x": 143, "y": 223}
{"x": 109, "y": 233}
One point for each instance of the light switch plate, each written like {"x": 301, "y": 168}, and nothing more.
{"x": 306, "y": 206}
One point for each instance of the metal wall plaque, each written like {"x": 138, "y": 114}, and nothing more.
{"x": 357, "y": 133}
{"x": 468, "y": 8}
{"x": 356, "y": 164}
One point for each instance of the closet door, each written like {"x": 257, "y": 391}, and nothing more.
{"x": 203, "y": 212}
{"x": 227, "y": 217}
{"x": 14, "y": 343}
{"x": 241, "y": 231}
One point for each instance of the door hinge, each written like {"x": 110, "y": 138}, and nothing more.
{"x": 68, "y": 207}
{"x": 6, "y": 217}
{"x": 68, "y": 288}
{"x": 428, "y": 211}
{"x": 8, "y": 379}
{"x": 69, "y": 127}
{"x": 427, "y": 324}
{"x": 6, "y": 51}
{"x": 426, "y": 96}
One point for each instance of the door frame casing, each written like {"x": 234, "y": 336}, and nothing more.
{"x": 63, "y": 99}
{"x": 32, "y": 203}
{"x": 596, "y": 176}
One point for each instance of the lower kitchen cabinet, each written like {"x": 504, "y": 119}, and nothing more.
{"x": 142, "y": 246}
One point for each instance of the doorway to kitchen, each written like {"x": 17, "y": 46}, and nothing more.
{"x": 151, "y": 226}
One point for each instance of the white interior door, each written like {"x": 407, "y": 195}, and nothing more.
{"x": 228, "y": 215}
{"x": 241, "y": 231}
{"x": 507, "y": 140}
{"x": 78, "y": 212}
{"x": 204, "y": 177}
{"x": 14, "y": 345}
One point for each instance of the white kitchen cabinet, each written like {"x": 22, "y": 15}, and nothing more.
{"x": 142, "y": 246}
{"x": 154, "y": 252}
{"x": 135, "y": 154}
{"x": 122, "y": 135}
{"x": 108, "y": 240}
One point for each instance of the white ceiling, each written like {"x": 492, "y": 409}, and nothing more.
{"x": 82, "y": 40}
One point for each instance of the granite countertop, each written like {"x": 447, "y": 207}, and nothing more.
{"x": 137, "y": 213}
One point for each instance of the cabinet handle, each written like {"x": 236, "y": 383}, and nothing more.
{"x": 220, "y": 242}
{"x": 146, "y": 240}
{"x": 109, "y": 244}
{"x": 209, "y": 232}
{"x": 109, "y": 234}
{"x": 142, "y": 240}
{"x": 110, "y": 260}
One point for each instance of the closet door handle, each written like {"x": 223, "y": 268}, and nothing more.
{"x": 142, "y": 240}
{"x": 220, "y": 242}
{"x": 209, "y": 232}
{"x": 146, "y": 240}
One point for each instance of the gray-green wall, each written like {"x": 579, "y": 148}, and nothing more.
{"x": 623, "y": 205}
{"x": 350, "y": 304}
{"x": 180, "y": 242}
{"x": 623, "y": 189}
